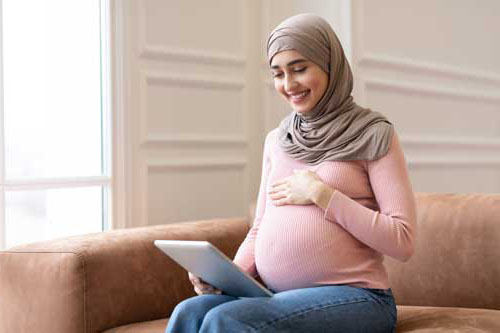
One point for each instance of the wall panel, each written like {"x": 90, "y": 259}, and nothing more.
{"x": 199, "y": 189}
{"x": 214, "y": 26}
{"x": 432, "y": 69}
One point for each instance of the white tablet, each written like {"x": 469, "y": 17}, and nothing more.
{"x": 206, "y": 261}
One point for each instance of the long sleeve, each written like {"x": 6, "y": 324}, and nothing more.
{"x": 390, "y": 231}
{"x": 245, "y": 256}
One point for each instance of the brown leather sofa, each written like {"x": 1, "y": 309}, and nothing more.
{"x": 118, "y": 281}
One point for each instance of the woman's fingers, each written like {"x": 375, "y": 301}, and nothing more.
{"x": 197, "y": 281}
{"x": 201, "y": 287}
{"x": 280, "y": 182}
{"x": 193, "y": 278}
{"x": 207, "y": 291}
{"x": 205, "y": 286}
{"x": 198, "y": 291}
{"x": 280, "y": 195}
{"x": 280, "y": 202}
{"x": 278, "y": 188}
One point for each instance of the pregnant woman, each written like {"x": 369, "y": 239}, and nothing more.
{"x": 334, "y": 199}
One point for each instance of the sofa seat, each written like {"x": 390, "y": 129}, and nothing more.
{"x": 418, "y": 319}
{"x": 442, "y": 319}
{"x": 152, "y": 326}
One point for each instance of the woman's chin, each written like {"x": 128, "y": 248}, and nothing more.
{"x": 301, "y": 110}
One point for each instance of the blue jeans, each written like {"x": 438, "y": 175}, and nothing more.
{"x": 321, "y": 309}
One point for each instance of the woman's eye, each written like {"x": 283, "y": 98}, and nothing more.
{"x": 300, "y": 69}
{"x": 277, "y": 74}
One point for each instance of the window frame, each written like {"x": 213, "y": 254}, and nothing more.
{"x": 105, "y": 179}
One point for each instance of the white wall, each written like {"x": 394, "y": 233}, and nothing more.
{"x": 187, "y": 100}
{"x": 197, "y": 96}
{"x": 433, "y": 68}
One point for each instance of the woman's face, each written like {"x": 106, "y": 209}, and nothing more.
{"x": 299, "y": 81}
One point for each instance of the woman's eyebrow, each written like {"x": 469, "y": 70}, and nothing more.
{"x": 293, "y": 62}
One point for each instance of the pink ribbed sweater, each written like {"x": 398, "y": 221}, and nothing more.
{"x": 371, "y": 214}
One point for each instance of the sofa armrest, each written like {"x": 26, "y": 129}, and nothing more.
{"x": 94, "y": 282}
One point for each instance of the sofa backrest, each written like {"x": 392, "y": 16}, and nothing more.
{"x": 457, "y": 255}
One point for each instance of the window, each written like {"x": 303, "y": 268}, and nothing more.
{"x": 55, "y": 136}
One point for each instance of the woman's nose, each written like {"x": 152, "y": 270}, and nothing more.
{"x": 290, "y": 83}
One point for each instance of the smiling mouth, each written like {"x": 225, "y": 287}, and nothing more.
{"x": 297, "y": 98}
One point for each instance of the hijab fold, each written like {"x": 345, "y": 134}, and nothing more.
{"x": 336, "y": 128}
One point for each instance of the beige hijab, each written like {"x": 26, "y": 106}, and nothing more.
{"x": 336, "y": 128}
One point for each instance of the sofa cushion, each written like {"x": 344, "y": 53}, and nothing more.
{"x": 440, "y": 319}
{"x": 153, "y": 326}
{"x": 418, "y": 319}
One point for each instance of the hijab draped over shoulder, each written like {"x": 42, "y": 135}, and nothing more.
{"x": 336, "y": 128}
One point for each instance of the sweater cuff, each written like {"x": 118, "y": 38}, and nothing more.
{"x": 329, "y": 211}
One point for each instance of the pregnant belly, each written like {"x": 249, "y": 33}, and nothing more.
{"x": 296, "y": 245}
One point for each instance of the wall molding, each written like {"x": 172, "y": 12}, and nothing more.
{"x": 193, "y": 139}
{"x": 192, "y": 81}
{"x": 164, "y": 164}
{"x": 430, "y": 90}
{"x": 170, "y": 54}
{"x": 408, "y": 65}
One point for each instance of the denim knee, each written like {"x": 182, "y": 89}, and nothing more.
{"x": 185, "y": 306}
{"x": 223, "y": 319}
{"x": 197, "y": 305}
{"x": 188, "y": 313}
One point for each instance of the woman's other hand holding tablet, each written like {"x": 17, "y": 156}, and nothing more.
{"x": 201, "y": 287}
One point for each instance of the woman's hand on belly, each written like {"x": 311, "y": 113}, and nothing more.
{"x": 301, "y": 188}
